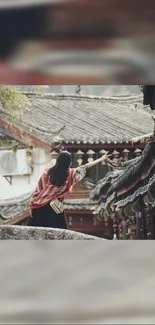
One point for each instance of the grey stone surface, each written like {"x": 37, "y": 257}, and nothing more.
{"x": 38, "y": 233}
{"x": 77, "y": 282}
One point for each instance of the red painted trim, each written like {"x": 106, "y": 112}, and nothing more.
{"x": 21, "y": 135}
{"x": 103, "y": 146}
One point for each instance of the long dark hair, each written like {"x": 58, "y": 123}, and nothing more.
{"x": 58, "y": 174}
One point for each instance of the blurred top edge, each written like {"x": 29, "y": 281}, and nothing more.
{"x": 10, "y": 4}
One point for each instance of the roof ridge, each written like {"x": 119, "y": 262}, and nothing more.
{"x": 66, "y": 96}
{"x": 16, "y": 199}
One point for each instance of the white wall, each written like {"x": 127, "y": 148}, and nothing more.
{"x": 42, "y": 159}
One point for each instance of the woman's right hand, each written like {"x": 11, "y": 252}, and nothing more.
{"x": 105, "y": 156}
{"x": 97, "y": 161}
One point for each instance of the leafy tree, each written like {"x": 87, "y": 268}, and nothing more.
{"x": 14, "y": 100}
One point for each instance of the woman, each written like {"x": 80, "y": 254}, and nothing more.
{"x": 46, "y": 204}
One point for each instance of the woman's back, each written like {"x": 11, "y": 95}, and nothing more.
{"x": 45, "y": 208}
{"x": 46, "y": 192}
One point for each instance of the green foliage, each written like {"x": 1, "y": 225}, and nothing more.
{"x": 13, "y": 100}
{"x": 39, "y": 90}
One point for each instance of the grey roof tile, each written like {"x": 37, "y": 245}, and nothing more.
{"x": 87, "y": 119}
{"x": 129, "y": 181}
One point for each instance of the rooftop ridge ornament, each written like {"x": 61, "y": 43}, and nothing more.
{"x": 78, "y": 90}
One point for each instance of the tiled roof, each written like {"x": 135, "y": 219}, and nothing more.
{"x": 80, "y": 204}
{"x": 129, "y": 187}
{"x": 14, "y": 207}
{"x": 87, "y": 119}
{"x": 18, "y": 208}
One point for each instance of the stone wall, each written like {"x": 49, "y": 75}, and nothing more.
{"x": 36, "y": 233}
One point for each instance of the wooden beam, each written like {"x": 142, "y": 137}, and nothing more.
{"x": 94, "y": 146}
{"x": 77, "y": 212}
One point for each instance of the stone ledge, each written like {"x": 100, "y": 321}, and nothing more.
{"x": 38, "y": 233}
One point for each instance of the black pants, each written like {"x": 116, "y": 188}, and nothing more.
{"x": 46, "y": 217}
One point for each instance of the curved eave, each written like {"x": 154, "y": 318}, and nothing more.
{"x": 12, "y": 220}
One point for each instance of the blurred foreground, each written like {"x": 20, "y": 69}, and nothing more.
{"x": 77, "y": 282}
{"x": 78, "y": 41}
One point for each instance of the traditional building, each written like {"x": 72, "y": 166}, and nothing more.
{"x": 127, "y": 193}
{"x": 84, "y": 125}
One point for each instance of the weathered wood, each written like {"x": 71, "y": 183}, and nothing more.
{"x": 38, "y": 233}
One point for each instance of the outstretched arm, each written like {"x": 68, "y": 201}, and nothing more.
{"x": 97, "y": 161}
{"x": 81, "y": 171}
